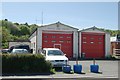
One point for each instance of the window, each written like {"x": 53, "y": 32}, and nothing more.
{"x": 53, "y": 36}
{"x": 34, "y": 44}
{"x": 91, "y": 42}
{"x": 61, "y": 36}
{"x": 45, "y": 41}
{"x": 54, "y": 52}
{"x": 84, "y": 42}
{"x": 45, "y": 36}
{"x": 91, "y": 38}
{"x": 68, "y": 37}
{"x": 53, "y": 41}
{"x": 100, "y": 42}
{"x": 61, "y": 41}
{"x": 84, "y": 37}
{"x": 68, "y": 41}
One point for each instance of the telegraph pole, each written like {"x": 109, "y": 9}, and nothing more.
{"x": 36, "y": 20}
{"x": 42, "y": 18}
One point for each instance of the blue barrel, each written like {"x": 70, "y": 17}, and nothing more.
{"x": 94, "y": 68}
{"x": 66, "y": 69}
{"x": 77, "y": 68}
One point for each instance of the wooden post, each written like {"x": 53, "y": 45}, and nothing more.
{"x": 76, "y": 60}
{"x": 93, "y": 61}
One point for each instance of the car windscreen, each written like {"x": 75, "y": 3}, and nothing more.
{"x": 55, "y": 52}
{"x": 20, "y": 51}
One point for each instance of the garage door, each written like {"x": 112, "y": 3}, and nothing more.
{"x": 61, "y": 40}
{"x": 93, "y": 45}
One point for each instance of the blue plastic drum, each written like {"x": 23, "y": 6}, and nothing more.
{"x": 94, "y": 68}
{"x": 77, "y": 68}
{"x": 66, "y": 69}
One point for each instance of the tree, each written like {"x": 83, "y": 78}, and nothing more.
{"x": 26, "y": 24}
{"x": 10, "y": 26}
{"x": 5, "y": 37}
{"x": 0, "y": 37}
{"x": 24, "y": 30}
{"x": 17, "y": 24}
{"x": 6, "y": 19}
{"x": 33, "y": 27}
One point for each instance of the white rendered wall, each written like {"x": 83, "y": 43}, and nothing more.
{"x": 33, "y": 42}
{"x": 75, "y": 44}
{"x": 107, "y": 44}
{"x": 80, "y": 44}
{"x": 39, "y": 40}
{"x": 18, "y": 43}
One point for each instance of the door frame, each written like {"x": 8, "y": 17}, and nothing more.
{"x": 57, "y": 44}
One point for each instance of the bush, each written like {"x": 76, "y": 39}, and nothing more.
{"x": 109, "y": 57}
{"x": 24, "y": 63}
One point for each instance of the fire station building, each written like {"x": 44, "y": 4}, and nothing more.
{"x": 92, "y": 42}
{"x": 56, "y": 35}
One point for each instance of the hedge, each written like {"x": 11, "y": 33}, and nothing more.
{"x": 24, "y": 63}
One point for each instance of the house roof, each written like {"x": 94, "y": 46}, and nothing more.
{"x": 33, "y": 32}
{"x": 53, "y": 24}
{"x": 57, "y": 24}
{"x": 20, "y": 41}
{"x": 94, "y": 29}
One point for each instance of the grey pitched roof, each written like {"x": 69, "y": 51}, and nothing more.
{"x": 94, "y": 29}
{"x": 59, "y": 23}
{"x": 53, "y": 24}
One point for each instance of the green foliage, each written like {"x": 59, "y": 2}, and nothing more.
{"x": 5, "y": 37}
{"x": 24, "y": 30}
{"x": 112, "y": 32}
{"x": 33, "y": 27}
{"x": 15, "y": 31}
{"x": 24, "y": 63}
{"x": 0, "y": 36}
{"x": 109, "y": 57}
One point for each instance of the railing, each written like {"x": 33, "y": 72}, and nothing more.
{"x": 116, "y": 53}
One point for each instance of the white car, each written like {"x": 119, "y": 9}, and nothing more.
{"x": 55, "y": 56}
{"x": 19, "y": 51}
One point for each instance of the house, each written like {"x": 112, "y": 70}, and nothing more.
{"x": 19, "y": 42}
{"x": 115, "y": 44}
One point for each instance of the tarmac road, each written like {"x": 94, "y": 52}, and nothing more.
{"x": 107, "y": 67}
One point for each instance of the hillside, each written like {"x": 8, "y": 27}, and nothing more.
{"x": 15, "y": 31}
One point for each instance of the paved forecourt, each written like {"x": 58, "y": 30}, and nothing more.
{"x": 108, "y": 71}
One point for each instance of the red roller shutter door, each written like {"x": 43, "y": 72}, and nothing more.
{"x": 93, "y": 45}
{"x": 61, "y": 40}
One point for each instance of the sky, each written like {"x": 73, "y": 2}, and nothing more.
{"x": 80, "y": 15}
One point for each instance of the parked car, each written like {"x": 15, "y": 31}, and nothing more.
{"x": 19, "y": 51}
{"x": 5, "y": 50}
{"x": 21, "y": 47}
{"x": 55, "y": 56}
